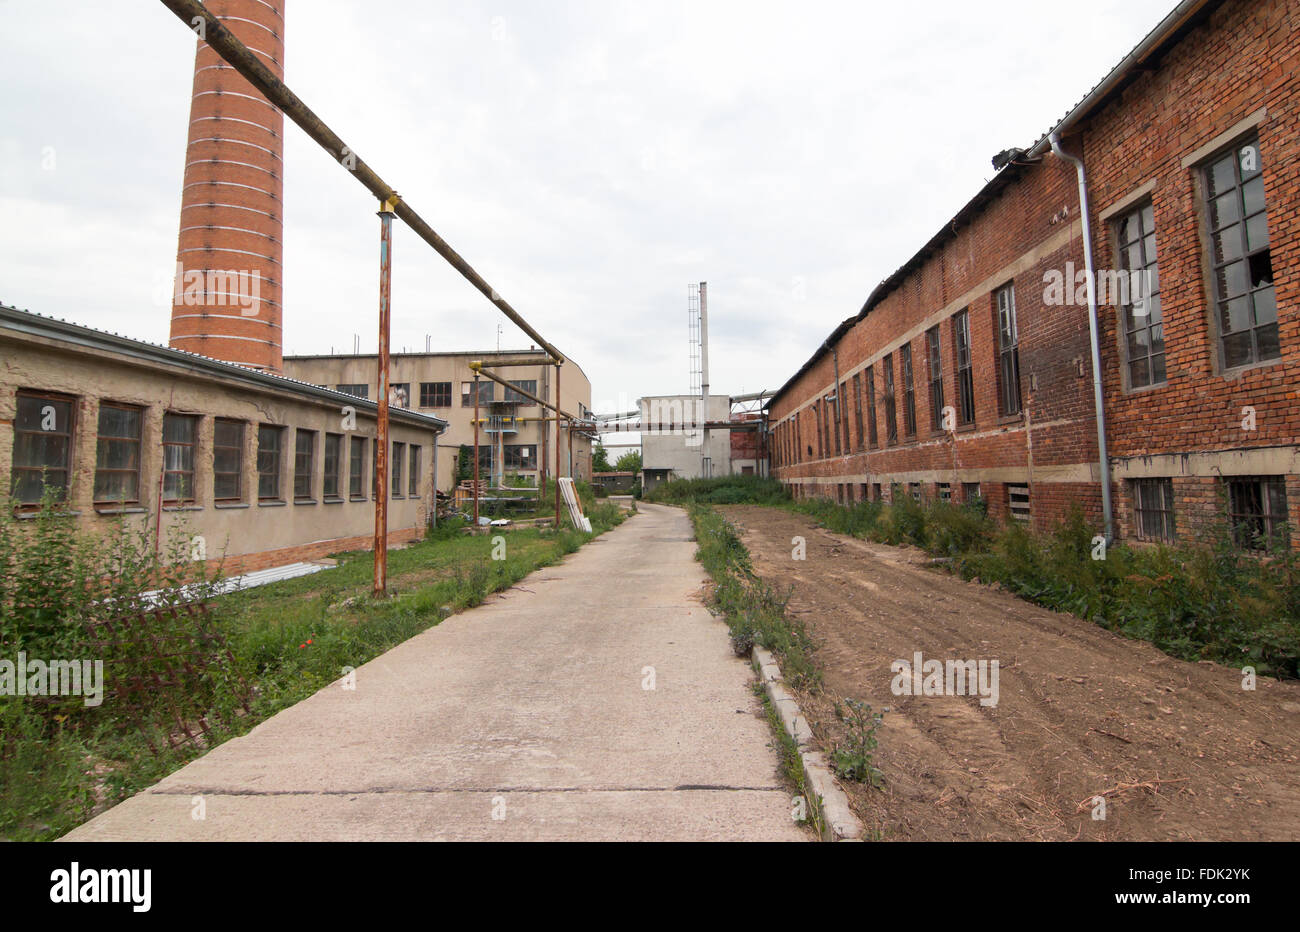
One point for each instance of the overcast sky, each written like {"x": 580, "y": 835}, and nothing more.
{"x": 590, "y": 159}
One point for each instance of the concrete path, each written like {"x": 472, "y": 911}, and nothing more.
{"x": 523, "y": 719}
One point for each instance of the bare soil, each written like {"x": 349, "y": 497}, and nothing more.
{"x": 1179, "y": 750}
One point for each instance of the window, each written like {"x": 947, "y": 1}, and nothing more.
{"x": 270, "y": 443}
{"x": 117, "y": 454}
{"x": 435, "y": 394}
{"x": 180, "y": 432}
{"x": 304, "y": 466}
{"x": 228, "y": 460}
{"x": 877, "y": 493}
{"x": 333, "y": 467}
{"x": 945, "y": 492}
{"x": 413, "y": 487}
{"x": 970, "y": 492}
{"x": 521, "y": 457}
{"x": 399, "y": 453}
{"x": 1153, "y": 501}
{"x": 1241, "y": 265}
{"x": 528, "y": 385}
{"x": 399, "y": 396}
{"x": 891, "y": 413}
{"x": 357, "y": 470}
{"x": 936, "y": 377}
{"x": 485, "y": 458}
{"x": 914, "y": 490}
{"x": 909, "y": 392}
{"x": 42, "y": 447}
{"x": 1144, "y": 339}
{"x": 357, "y": 391}
{"x": 1257, "y": 510}
{"x": 841, "y": 403}
{"x": 965, "y": 372}
{"x": 1008, "y": 351}
{"x": 1018, "y": 501}
{"x": 857, "y": 411}
{"x": 872, "y": 436}
{"x": 485, "y": 393}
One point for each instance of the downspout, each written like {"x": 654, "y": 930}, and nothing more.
{"x": 1094, "y": 335}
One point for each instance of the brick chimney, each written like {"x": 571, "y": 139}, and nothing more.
{"x": 227, "y": 298}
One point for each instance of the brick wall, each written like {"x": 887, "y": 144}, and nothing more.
{"x": 1232, "y": 74}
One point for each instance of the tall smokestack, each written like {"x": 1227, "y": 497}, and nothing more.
{"x": 227, "y": 300}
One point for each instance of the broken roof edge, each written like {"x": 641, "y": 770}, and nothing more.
{"x": 1167, "y": 33}
{"x": 38, "y": 325}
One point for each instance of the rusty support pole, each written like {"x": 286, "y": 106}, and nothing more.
{"x": 476, "y": 384}
{"x": 381, "y": 419}
{"x": 557, "y": 447}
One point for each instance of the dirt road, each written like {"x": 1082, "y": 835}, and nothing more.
{"x": 1179, "y": 749}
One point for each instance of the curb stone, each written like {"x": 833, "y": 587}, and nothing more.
{"x": 839, "y": 823}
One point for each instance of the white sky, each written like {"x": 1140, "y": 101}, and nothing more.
{"x": 590, "y": 159}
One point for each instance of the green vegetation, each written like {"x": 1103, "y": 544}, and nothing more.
{"x": 851, "y": 758}
{"x": 628, "y": 462}
{"x": 600, "y": 459}
{"x": 288, "y": 640}
{"x": 722, "y": 490}
{"x": 755, "y": 612}
{"x": 787, "y": 750}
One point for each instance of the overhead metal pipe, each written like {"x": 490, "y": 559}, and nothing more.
{"x": 238, "y": 55}
{"x": 480, "y": 368}
{"x": 1094, "y": 330}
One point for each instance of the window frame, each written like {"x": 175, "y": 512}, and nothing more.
{"x": 1011, "y": 402}
{"x": 934, "y": 351}
{"x": 357, "y": 469}
{"x": 432, "y": 393}
{"x": 217, "y": 474}
{"x": 396, "y": 463}
{"x": 278, "y": 431}
{"x": 413, "y": 480}
{"x": 1162, "y": 510}
{"x": 70, "y": 447}
{"x": 337, "y": 473}
{"x": 873, "y": 429}
{"x": 1273, "y": 516}
{"x": 309, "y": 498}
{"x": 193, "y": 447}
{"x": 891, "y": 402}
{"x": 965, "y": 368}
{"x": 909, "y": 390}
{"x": 101, "y": 439}
{"x": 1218, "y": 301}
{"x": 1144, "y": 213}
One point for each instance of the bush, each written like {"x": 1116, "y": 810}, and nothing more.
{"x": 720, "y": 490}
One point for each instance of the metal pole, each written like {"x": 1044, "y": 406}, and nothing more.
{"x": 569, "y": 427}
{"x": 706, "y": 465}
{"x": 557, "y": 447}
{"x": 476, "y": 384}
{"x": 381, "y": 420}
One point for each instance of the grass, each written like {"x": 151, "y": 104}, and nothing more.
{"x": 288, "y": 640}
{"x": 755, "y": 612}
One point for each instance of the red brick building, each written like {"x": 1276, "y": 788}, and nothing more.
{"x": 970, "y": 369}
